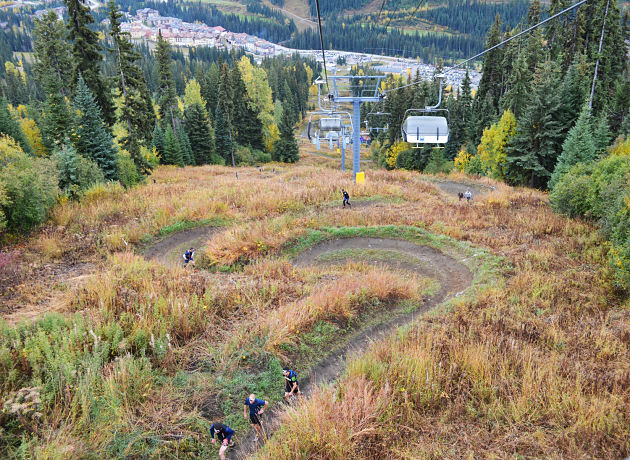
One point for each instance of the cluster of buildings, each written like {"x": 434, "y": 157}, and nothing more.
{"x": 147, "y": 24}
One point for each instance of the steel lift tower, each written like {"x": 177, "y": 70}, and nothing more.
{"x": 353, "y": 89}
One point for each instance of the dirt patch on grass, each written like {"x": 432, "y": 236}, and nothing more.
{"x": 452, "y": 188}
{"x": 453, "y": 278}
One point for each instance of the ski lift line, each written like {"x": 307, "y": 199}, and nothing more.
{"x": 321, "y": 40}
{"x": 380, "y": 11}
{"x": 529, "y": 29}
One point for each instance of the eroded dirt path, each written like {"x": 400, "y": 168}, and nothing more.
{"x": 453, "y": 277}
{"x": 169, "y": 251}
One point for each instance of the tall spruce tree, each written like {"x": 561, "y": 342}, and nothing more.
{"x": 53, "y": 71}
{"x": 173, "y": 154}
{"x": 87, "y": 57}
{"x": 158, "y": 141}
{"x": 578, "y": 147}
{"x": 198, "y": 130}
{"x": 222, "y": 136}
{"x": 184, "y": 145}
{"x": 286, "y": 148}
{"x": 91, "y": 138}
{"x": 492, "y": 73}
{"x": 136, "y": 112}
{"x": 169, "y": 110}
{"x": 226, "y": 99}
{"x": 533, "y": 151}
{"x": 518, "y": 87}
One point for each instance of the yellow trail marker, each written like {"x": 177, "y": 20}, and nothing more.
{"x": 360, "y": 179}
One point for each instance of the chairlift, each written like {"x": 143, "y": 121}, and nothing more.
{"x": 332, "y": 127}
{"x": 377, "y": 128}
{"x": 427, "y": 127}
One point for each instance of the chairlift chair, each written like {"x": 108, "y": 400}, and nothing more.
{"x": 427, "y": 127}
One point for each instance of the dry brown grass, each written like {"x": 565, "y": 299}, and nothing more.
{"x": 539, "y": 369}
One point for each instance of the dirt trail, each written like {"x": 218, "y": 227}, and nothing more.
{"x": 452, "y": 188}
{"x": 169, "y": 250}
{"x": 453, "y": 277}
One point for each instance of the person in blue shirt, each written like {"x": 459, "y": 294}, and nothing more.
{"x": 346, "y": 198}
{"x": 291, "y": 386}
{"x": 189, "y": 256}
{"x": 224, "y": 434}
{"x": 256, "y": 408}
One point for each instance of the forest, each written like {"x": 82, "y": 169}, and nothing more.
{"x": 552, "y": 111}
{"x": 88, "y": 110}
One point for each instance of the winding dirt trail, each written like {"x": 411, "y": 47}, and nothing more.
{"x": 169, "y": 250}
{"x": 453, "y": 278}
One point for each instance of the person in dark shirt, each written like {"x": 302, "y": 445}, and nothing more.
{"x": 346, "y": 198}
{"x": 224, "y": 435}
{"x": 291, "y": 386}
{"x": 189, "y": 256}
{"x": 256, "y": 408}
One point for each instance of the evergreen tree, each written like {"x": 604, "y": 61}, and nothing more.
{"x": 198, "y": 130}
{"x": 533, "y": 151}
{"x": 10, "y": 126}
{"x": 515, "y": 98}
{"x": 286, "y": 148}
{"x": 158, "y": 140}
{"x": 86, "y": 56}
{"x": 226, "y": 99}
{"x": 136, "y": 111}
{"x": 222, "y": 137}
{"x": 601, "y": 133}
{"x": 184, "y": 145}
{"x": 210, "y": 90}
{"x": 578, "y": 147}
{"x": 91, "y": 138}
{"x": 53, "y": 67}
{"x": 173, "y": 154}
{"x": 491, "y": 77}
{"x": 57, "y": 122}
{"x": 166, "y": 88}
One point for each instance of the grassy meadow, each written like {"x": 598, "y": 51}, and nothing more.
{"x": 104, "y": 353}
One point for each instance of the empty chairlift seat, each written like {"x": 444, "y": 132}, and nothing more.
{"x": 330, "y": 124}
{"x": 426, "y": 130}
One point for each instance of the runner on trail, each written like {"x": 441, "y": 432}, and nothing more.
{"x": 291, "y": 386}
{"x": 468, "y": 195}
{"x": 346, "y": 198}
{"x": 224, "y": 434}
{"x": 256, "y": 408}
{"x": 189, "y": 256}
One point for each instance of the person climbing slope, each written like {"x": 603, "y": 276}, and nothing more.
{"x": 468, "y": 195}
{"x": 291, "y": 386}
{"x": 346, "y": 198}
{"x": 189, "y": 256}
{"x": 224, "y": 435}
{"x": 256, "y": 408}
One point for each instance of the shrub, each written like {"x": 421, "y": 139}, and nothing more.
{"x": 127, "y": 172}
{"x": 30, "y": 185}
{"x": 437, "y": 163}
{"x": 76, "y": 173}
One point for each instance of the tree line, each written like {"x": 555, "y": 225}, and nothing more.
{"x": 103, "y": 110}
{"x": 552, "y": 111}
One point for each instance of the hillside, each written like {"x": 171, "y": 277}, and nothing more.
{"x": 142, "y": 356}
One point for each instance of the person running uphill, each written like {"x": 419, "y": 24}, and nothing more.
{"x": 189, "y": 256}
{"x": 468, "y": 195}
{"x": 291, "y": 386}
{"x": 256, "y": 408}
{"x": 346, "y": 198}
{"x": 224, "y": 435}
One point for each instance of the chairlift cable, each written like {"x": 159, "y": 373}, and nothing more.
{"x": 321, "y": 39}
{"x": 529, "y": 29}
{"x": 380, "y": 11}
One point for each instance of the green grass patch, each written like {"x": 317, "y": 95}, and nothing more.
{"x": 182, "y": 225}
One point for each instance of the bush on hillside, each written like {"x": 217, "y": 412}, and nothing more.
{"x": 128, "y": 173}
{"x": 30, "y": 186}
{"x": 600, "y": 191}
{"x": 76, "y": 173}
